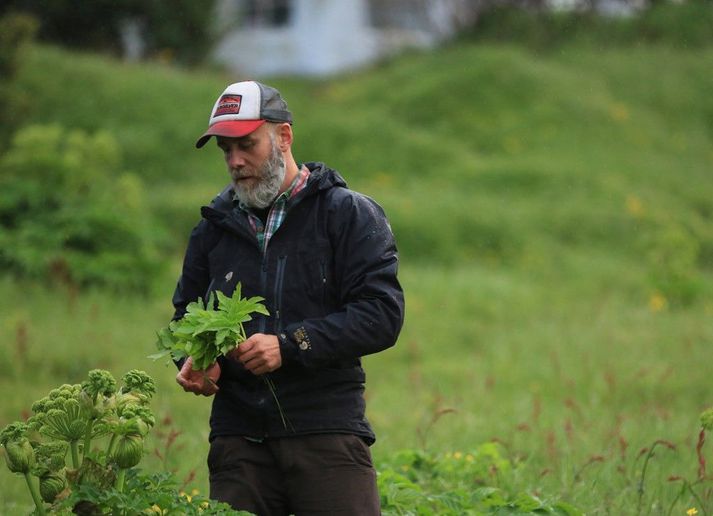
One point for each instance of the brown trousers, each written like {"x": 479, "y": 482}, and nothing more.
{"x": 329, "y": 474}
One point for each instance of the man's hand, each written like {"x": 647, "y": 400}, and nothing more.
{"x": 198, "y": 382}
{"x": 259, "y": 354}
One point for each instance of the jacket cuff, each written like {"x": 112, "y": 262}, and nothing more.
{"x": 288, "y": 348}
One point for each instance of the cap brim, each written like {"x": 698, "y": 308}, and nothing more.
{"x": 230, "y": 129}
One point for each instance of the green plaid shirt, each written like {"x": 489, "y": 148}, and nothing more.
{"x": 278, "y": 210}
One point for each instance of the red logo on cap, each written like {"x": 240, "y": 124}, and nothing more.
{"x": 228, "y": 105}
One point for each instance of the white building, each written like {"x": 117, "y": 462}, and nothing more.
{"x": 321, "y": 37}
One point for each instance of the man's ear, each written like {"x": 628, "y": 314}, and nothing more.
{"x": 284, "y": 136}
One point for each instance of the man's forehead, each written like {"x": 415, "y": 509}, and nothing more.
{"x": 229, "y": 139}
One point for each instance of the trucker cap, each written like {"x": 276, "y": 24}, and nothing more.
{"x": 242, "y": 108}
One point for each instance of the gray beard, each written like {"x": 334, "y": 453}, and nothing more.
{"x": 271, "y": 174}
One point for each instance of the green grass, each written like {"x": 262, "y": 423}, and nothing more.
{"x": 553, "y": 211}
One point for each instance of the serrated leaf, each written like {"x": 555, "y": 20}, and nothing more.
{"x": 209, "y": 330}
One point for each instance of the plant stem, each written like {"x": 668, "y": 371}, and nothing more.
{"x": 74, "y": 446}
{"x": 87, "y": 439}
{"x": 35, "y": 494}
{"x": 273, "y": 391}
{"x": 120, "y": 476}
{"x": 110, "y": 448}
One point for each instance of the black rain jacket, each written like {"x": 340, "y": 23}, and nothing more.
{"x": 329, "y": 279}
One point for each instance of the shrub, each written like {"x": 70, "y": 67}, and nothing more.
{"x": 179, "y": 28}
{"x": 687, "y": 23}
{"x": 15, "y": 32}
{"x": 419, "y": 482}
{"x": 673, "y": 258}
{"x": 68, "y": 213}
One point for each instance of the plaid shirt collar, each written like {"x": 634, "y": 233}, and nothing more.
{"x": 278, "y": 210}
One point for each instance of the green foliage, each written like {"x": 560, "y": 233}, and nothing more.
{"x": 418, "y": 482}
{"x": 99, "y": 484}
{"x": 146, "y": 493}
{"x": 16, "y": 31}
{"x": 686, "y": 24}
{"x": 573, "y": 163}
{"x": 207, "y": 332}
{"x": 179, "y": 30}
{"x": 68, "y": 214}
{"x": 673, "y": 256}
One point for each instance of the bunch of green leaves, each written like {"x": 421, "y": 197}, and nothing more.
{"x": 206, "y": 332}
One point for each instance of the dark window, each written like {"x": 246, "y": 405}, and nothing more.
{"x": 266, "y": 13}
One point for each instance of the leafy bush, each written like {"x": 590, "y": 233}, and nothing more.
{"x": 179, "y": 28}
{"x": 688, "y": 23}
{"x": 15, "y": 32}
{"x": 67, "y": 213}
{"x": 673, "y": 258}
{"x": 419, "y": 482}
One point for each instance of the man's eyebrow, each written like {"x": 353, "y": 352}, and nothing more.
{"x": 248, "y": 138}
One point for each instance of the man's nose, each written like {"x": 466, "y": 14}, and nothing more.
{"x": 236, "y": 158}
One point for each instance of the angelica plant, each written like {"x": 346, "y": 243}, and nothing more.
{"x": 133, "y": 422}
{"x": 20, "y": 457}
{"x": 62, "y": 416}
{"x": 49, "y": 468}
{"x": 95, "y": 396}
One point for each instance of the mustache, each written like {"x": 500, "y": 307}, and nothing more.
{"x": 241, "y": 173}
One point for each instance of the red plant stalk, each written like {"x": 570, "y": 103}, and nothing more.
{"x": 699, "y": 452}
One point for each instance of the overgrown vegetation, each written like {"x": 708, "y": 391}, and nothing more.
{"x": 553, "y": 209}
{"x": 16, "y": 31}
{"x": 69, "y": 214}
{"x": 177, "y": 31}
{"x": 685, "y": 24}
{"x": 73, "y": 418}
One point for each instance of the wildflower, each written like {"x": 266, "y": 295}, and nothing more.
{"x": 634, "y": 206}
{"x": 619, "y": 112}
{"x": 469, "y": 457}
{"x": 692, "y": 511}
{"x": 657, "y": 302}
{"x": 457, "y": 455}
{"x": 195, "y": 492}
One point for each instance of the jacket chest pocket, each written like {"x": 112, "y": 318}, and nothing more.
{"x": 310, "y": 277}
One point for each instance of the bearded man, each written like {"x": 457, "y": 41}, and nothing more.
{"x": 324, "y": 259}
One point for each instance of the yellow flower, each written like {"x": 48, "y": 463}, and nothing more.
{"x": 457, "y": 455}
{"x": 195, "y": 492}
{"x": 657, "y": 302}
{"x": 156, "y": 509}
{"x": 619, "y": 112}
{"x": 634, "y": 206}
{"x": 692, "y": 511}
{"x": 469, "y": 458}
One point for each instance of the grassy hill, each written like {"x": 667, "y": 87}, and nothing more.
{"x": 554, "y": 216}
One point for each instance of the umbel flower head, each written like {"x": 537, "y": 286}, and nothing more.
{"x": 19, "y": 454}
{"x": 707, "y": 419}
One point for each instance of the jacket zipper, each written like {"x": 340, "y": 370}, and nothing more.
{"x": 281, "y": 264}
{"x": 323, "y": 270}
{"x": 263, "y": 285}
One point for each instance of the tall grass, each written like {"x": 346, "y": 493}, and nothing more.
{"x": 553, "y": 212}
